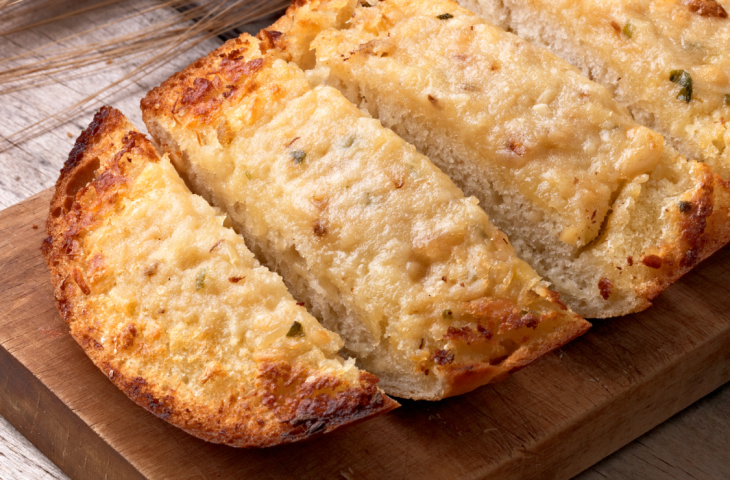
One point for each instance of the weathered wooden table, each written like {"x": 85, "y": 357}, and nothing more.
{"x": 692, "y": 445}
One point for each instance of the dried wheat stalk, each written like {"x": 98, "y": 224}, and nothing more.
{"x": 155, "y": 45}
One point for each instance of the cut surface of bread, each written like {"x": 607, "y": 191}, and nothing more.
{"x": 554, "y": 160}
{"x": 668, "y": 61}
{"x": 175, "y": 310}
{"x": 381, "y": 245}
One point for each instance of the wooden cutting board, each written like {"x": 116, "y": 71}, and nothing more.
{"x": 553, "y": 419}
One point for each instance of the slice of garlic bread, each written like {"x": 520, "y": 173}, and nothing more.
{"x": 381, "y": 245}
{"x": 173, "y": 307}
{"x": 549, "y": 154}
{"x": 668, "y": 61}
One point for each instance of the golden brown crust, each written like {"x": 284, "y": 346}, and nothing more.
{"x": 278, "y": 33}
{"x": 271, "y": 415}
{"x": 703, "y": 227}
{"x": 524, "y": 356}
{"x": 294, "y": 31}
{"x": 283, "y": 407}
{"x": 198, "y": 92}
{"x": 465, "y": 377}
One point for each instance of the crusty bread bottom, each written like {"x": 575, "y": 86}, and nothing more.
{"x": 637, "y": 225}
{"x": 397, "y": 377}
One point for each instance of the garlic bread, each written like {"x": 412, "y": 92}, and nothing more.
{"x": 551, "y": 156}
{"x": 174, "y": 309}
{"x": 667, "y": 61}
{"x": 381, "y": 246}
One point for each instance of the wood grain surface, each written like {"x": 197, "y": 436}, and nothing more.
{"x": 31, "y": 167}
{"x": 552, "y": 420}
{"x": 693, "y": 444}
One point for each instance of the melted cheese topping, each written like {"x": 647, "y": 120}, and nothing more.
{"x": 518, "y": 112}
{"x": 642, "y": 42}
{"x": 378, "y": 227}
{"x": 170, "y": 279}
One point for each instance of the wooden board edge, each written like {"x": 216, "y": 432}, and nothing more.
{"x": 55, "y": 429}
{"x": 648, "y": 405}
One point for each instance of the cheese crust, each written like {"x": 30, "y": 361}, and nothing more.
{"x": 632, "y": 47}
{"x": 385, "y": 249}
{"x": 526, "y": 120}
{"x": 554, "y": 160}
{"x": 175, "y": 310}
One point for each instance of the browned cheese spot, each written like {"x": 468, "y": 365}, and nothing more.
{"x": 554, "y": 297}
{"x": 706, "y": 8}
{"x": 320, "y": 228}
{"x": 152, "y": 269}
{"x": 517, "y": 148}
{"x": 127, "y": 336}
{"x": 194, "y": 94}
{"x": 652, "y": 261}
{"x": 514, "y": 321}
{"x": 484, "y": 332}
{"x": 606, "y": 287}
{"x": 442, "y": 357}
{"x": 467, "y": 335}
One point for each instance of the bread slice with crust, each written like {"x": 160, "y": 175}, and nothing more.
{"x": 589, "y": 198}
{"x": 174, "y": 309}
{"x": 633, "y": 47}
{"x": 381, "y": 245}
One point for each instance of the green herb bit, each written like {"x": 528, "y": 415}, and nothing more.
{"x": 684, "y": 80}
{"x": 445, "y": 16}
{"x": 349, "y": 141}
{"x": 628, "y": 30}
{"x": 447, "y": 314}
{"x": 296, "y": 330}
{"x": 248, "y": 175}
{"x": 727, "y": 99}
{"x": 200, "y": 279}
{"x": 365, "y": 5}
{"x": 685, "y": 207}
{"x": 298, "y": 156}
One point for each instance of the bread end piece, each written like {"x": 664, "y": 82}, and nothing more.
{"x": 463, "y": 378}
{"x": 100, "y": 170}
